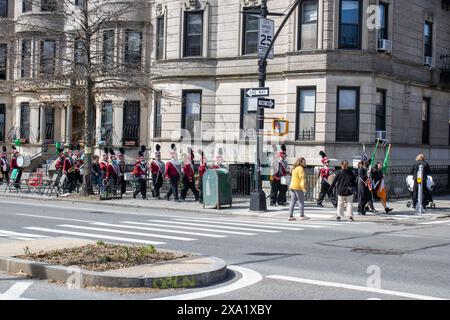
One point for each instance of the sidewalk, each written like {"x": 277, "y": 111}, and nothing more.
{"x": 241, "y": 207}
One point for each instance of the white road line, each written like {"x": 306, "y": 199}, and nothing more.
{"x": 353, "y": 287}
{"x": 212, "y": 226}
{"x": 158, "y": 229}
{"x": 270, "y": 225}
{"x": 220, "y": 224}
{"x": 249, "y": 277}
{"x": 190, "y": 228}
{"x": 150, "y": 235}
{"x": 20, "y": 234}
{"x": 16, "y": 238}
{"x": 435, "y": 222}
{"x": 51, "y": 217}
{"x": 16, "y": 291}
{"x": 96, "y": 236}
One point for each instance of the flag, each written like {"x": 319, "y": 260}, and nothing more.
{"x": 372, "y": 160}
{"x": 364, "y": 156}
{"x": 386, "y": 161}
{"x": 381, "y": 192}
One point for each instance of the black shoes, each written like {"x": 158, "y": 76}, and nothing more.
{"x": 388, "y": 210}
{"x": 319, "y": 205}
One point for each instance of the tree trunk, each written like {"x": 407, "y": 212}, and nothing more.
{"x": 88, "y": 136}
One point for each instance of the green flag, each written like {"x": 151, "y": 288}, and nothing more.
{"x": 374, "y": 153}
{"x": 386, "y": 160}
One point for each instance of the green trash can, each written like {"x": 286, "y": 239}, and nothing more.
{"x": 216, "y": 188}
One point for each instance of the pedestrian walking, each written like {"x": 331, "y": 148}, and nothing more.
{"x": 5, "y": 167}
{"x": 345, "y": 183}
{"x": 364, "y": 195}
{"x": 298, "y": 189}
{"x": 324, "y": 175}
{"x": 280, "y": 169}
{"x": 420, "y": 161}
{"x": 378, "y": 186}
{"x": 157, "y": 167}
{"x": 140, "y": 171}
{"x": 96, "y": 173}
{"x": 189, "y": 176}
{"x": 201, "y": 172}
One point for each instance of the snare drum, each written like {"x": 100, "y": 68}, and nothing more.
{"x": 285, "y": 180}
{"x": 20, "y": 161}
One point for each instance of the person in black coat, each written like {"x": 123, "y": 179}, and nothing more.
{"x": 420, "y": 160}
{"x": 345, "y": 183}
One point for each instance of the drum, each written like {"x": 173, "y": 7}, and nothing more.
{"x": 26, "y": 160}
{"x": 331, "y": 179}
{"x": 285, "y": 180}
{"x": 20, "y": 161}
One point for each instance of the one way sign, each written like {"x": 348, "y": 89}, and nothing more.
{"x": 256, "y": 92}
{"x": 266, "y": 103}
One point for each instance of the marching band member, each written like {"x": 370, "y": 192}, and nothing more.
{"x": 219, "y": 161}
{"x": 201, "y": 172}
{"x": 78, "y": 163}
{"x": 113, "y": 169}
{"x": 189, "y": 176}
{"x": 59, "y": 164}
{"x": 69, "y": 171}
{"x": 4, "y": 166}
{"x": 122, "y": 181}
{"x": 104, "y": 163}
{"x": 140, "y": 172}
{"x": 157, "y": 168}
{"x": 324, "y": 174}
{"x": 173, "y": 174}
{"x": 280, "y": 169}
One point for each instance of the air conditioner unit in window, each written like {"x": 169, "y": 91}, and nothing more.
{"x": 381, "y": 135}
{"x": 428, "y": 61}
{"x": 384, "y": 45}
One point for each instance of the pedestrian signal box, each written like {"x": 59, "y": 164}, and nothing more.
{"x": 280, "y": 127}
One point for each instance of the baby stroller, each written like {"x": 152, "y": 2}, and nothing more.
{"x": 427, "y": 194}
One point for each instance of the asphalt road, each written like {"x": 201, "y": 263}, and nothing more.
{"x": 270, "y": 258}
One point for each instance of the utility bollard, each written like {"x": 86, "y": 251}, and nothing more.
{"x": 420, "y": 190}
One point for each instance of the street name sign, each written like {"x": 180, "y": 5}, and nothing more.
{"x": 266, "y": 34}
{"x": 266, "y": 103}
{"x": 256, "y": 92}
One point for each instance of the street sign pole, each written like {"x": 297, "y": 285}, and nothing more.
{"x": 258, "y": 197}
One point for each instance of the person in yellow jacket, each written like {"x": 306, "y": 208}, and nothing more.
{"x": 298, "y": 189}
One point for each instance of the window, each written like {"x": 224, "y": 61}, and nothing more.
{"x": 248, "y": 116}
{"x": 250, "y": 33}
{"x": 25, "y": 70}
{"x": 48, "y": 57}
{"x": 79, "y": 55}
{"x": 384, "y": 21}
{"x": 49, "y": 124}
{"x": 79, "y": 3}
{"x": 157, "y": 128}
{"x": 27, "y": 5}
{"x": 25, "y": 121}
{"x": 347, "y": 115}
{"x": 193, "y": 34}
{"x": 380, "y": 113}
{"x": 107, "y": 122}
{"x": 131, "y": 121}
{"x": 426, "y": 120}
{"x": 2, "y": 122}
{"x": 4, "y": 8}
{"x": 3, "y": 61}
{"x": 350, "y": 24}
{"x": 308, "y": 25}
{"x": 133, "y": 49}
{"x": 160, "y": 38}
{"x": 108, "y": 49}
{"x": 191, "y": 112}
{"x": 48, "y": 5}
{"x": 428, "y": 39}
{"x": 306, "y": 114}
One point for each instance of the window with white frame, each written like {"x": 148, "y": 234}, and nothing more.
{"x": 347, "y": 115}
{"x": 306, "y": 114}
{"x": 193, "y": 34}
{"x": 133, "y": 50}
{"x": 308, "y": 25}
{"x": 48, "y": 57}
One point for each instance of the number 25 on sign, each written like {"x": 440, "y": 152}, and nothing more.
{"x": 266, "y": 33}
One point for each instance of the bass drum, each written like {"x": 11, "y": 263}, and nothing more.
{"x": 23, "y": 161}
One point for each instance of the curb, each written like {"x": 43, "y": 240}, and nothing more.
{"x": 212, "y": 274}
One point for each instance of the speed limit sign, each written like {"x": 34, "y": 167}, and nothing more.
{"x": 266, "y": 32}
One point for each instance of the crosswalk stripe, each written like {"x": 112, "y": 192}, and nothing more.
{"x": 272, "y": 225}
{"x": 96, "y": 236}
{"x": 158, "y": 229}
{"x": 15, "y": 238}
{"x": 435, "y": 222}
{"x": 150, "y": 235}
{"x": 213, "y": 226}
{"x": 238, "y": 224}
{"x": 190, "y": 228}
{"x": 20, "y": 234}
